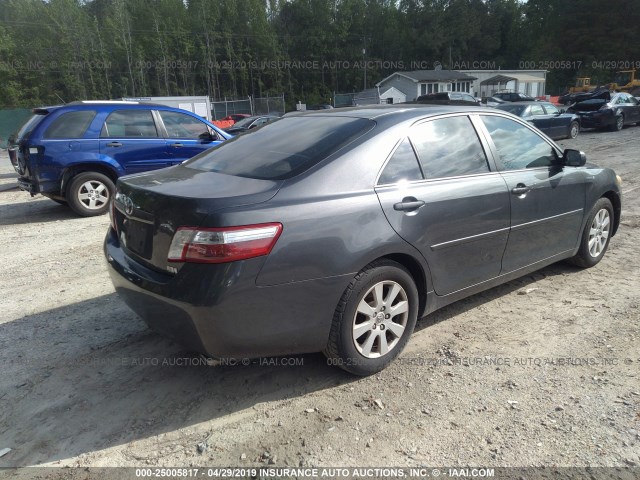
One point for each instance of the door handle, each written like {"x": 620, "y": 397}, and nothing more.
{"x": 176, "y": 145}
{"x": 520, "y": 189}
{"x": 114, "y": 144}
{"x": 408, "y": 204}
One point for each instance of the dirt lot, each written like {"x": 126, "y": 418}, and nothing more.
{"x": 544, "y": 370}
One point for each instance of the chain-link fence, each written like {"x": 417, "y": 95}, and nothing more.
{"x": 269, "y": 105}
{"x": 249, "y": 106}
{"x": 11, "y": 120}
{"x": 223, "y": 108}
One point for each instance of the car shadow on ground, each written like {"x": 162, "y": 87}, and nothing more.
{"x": 35, "y": 211}
{"x": 90, "y": 376}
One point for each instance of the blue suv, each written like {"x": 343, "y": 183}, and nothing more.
{"x": 73, "y": 154}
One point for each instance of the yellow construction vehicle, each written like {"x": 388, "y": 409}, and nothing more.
{"x": 583, "y": 84}
{"x": 625, "y": 81}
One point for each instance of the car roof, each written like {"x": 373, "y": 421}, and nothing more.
{"x": 396, "y": 112}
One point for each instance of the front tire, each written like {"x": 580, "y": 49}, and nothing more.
{"x": 374, "y": 319}
{"x": 89, "y": 193}
{"x": 618, "y": 123}
{"x": 596, "y": 235}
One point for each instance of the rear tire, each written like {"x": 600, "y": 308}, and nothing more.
{"x": 574, "y": 129}
{"x": 596, "y": 235}
{"x": 374, "y": 319}
{"x": 89, "y": 193}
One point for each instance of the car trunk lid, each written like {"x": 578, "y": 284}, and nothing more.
{"x": 150, "y": 207}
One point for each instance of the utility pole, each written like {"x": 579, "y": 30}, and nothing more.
{"x": 364, "y": 59}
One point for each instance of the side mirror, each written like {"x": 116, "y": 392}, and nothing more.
{"x": 573, "y": 158}
{"x": 563, "y": 110}
{"x": 207, "y": 137}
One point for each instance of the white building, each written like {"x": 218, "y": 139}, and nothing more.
{"x": 422, "y": 82}
{"x": 488, "y": 82}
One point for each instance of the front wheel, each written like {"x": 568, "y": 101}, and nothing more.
{"x": 89, "y": 193}
{"x": 374, "y": 319}
{"x": 597, "y": 233}
{"x": 618, "y": 124}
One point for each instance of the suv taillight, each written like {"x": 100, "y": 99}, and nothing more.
{"x": 225, "y": 244}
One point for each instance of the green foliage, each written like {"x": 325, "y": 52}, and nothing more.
{"x": 63, "y": 50}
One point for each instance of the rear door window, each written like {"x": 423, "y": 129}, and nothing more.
{"x": 449, "y": 147}
{"x": 129, "y": 124}
{"x": 284, "y": 148}
{"x": 70, "y": 125}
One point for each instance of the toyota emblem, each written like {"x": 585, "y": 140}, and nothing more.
{"x": 128, "y": 205}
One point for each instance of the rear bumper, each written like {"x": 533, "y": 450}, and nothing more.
{"x": 27, "y": 186}
{"x": 218, "y": 310}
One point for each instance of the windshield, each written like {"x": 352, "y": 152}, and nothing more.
{"x": 622, "y": 78}
{"x": 27, "y": 128}
{"x": 282, "y": 149}
{"x": 515, "y": 109}
{"x": 245, "y": 122}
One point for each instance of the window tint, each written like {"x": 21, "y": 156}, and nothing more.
{"x": 551, "y": 109}
{"x": 518, "y": 147}
{"x": 282, "y": 149}
{"x": 129, "y": 123}
{"x": 70, "y": 124}
{"x": 449, "y": 147}
{"x": 180, "y": 125}
{"x": 403, "y": 165}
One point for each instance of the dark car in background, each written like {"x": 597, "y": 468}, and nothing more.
{"x": 546, "y": 117}
{"x": 448, "y": 98}
{"x": 334, "y": 232}
{"x": 492, "y": 101}
{"x": 249, "y": 123}
{"x": 74, "y": 153}
{"x": 514, "y": 97}
{"x": 607, "y": 110}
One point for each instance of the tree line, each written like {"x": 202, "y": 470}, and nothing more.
{"x": 54, "y": 51}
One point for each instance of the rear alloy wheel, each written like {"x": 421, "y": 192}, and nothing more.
{"x": 618, "y": 124}
{"x": 374, "y": 319}
{"x": 89, "y": 193}
{"x": 574, "y": 129}
{"x": 597, "y": 233}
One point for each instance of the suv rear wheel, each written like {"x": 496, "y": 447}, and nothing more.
{"x": 89, "y": 193}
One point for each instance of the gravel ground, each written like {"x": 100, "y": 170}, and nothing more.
{"x": 541, "y": 371}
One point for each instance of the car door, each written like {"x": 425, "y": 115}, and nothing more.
{"x": 630, "y": 108}
{"x": 131, "y": 138}
{"x": 450, "y": 205}
{"x": 186, "y": 135}
{"x": 547, "y": 199}
{"x": 558, "y": 123}
{"x": 538, "y": 117}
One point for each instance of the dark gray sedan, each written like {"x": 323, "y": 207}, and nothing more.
{"x": 334, "y": 231}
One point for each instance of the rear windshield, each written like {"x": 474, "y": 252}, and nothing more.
{"x": 28, "y": 127}
{"x": 282, "y": 149}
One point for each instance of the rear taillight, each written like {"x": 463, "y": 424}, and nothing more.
{"x": 225, "y": 244}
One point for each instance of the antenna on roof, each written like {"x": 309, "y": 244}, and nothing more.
{"x": 60, "y": 98}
